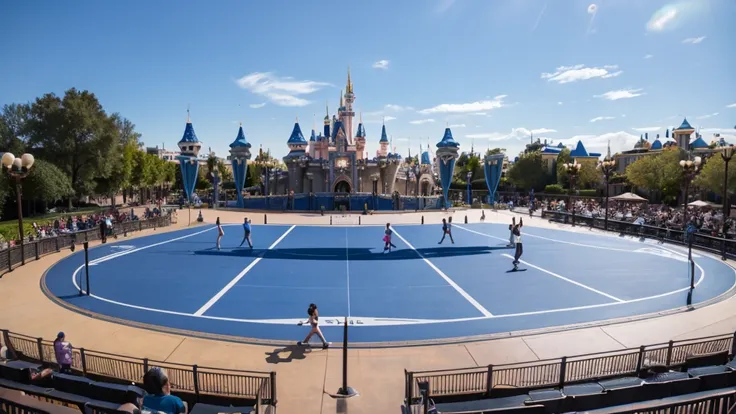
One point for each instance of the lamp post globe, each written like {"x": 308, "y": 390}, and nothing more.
{"x": 18, "y": 169}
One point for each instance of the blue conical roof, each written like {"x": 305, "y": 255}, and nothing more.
{"x": 240, "y": 140}
{"x": 296, "y": 135}
{"x": 312, "y": 137}
{"x": 384, "y": 137}
{"x": 699, "y": 143}
{"x": 425, "y": 158}
{"x": 656, "y": 145}
{"x": 579, "y": 150}
{"x": 189, "y": 135}
{"x": 447, "y": 140}
{"x": 685, "y": 125}
{"x": 361, "y": 131}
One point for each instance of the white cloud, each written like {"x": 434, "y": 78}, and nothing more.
{"x": 381, "y": 64}
{"x": 519, "y": 134}
{"x": 733, "y": 105}
{"x": 707, "y": 116}
{"x": 568, "y": 74}
{"x": 694, "y": 40}
{"x": 388, "y": 108}
{"x": 662, "y": 19}
{"x": 620, "y": 94}
{"x": 402, "y": 139}
{"x": 422, "y": 121}
{"x": 487, "y": 105}
{"x": 280, "y": 91}
{"x": 647, "y": 129}
{"x": 648, "y": 56}
{"x": 256, "y": 106}
{"x": 379, "y": 120}
{"x": 542, "y": 131}
{"x": 457, "y": 126}
{"x": 602, "y": 118}
{"x": 479, "y": 113}
{"x": 620, "y": 141}
{"x": 559, "y": 103}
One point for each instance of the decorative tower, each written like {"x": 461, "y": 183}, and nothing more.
{"x": 383, "y": 152}
{"x": 682, "y": 134}
{"x": 447, "y": 155}
{"x": 360, "y": 140}
{"x": 348, "y": 114}
{"x": 297, "y": 150}
{"x": 239, "y": 156}
{"x": 297, "y": 144}
{"x": 189, "y": 147}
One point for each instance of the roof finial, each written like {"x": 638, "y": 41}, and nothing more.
{"x": 349, "y": 87}
{"x": 297, "y": 118}
{"x": 361, "y": 117}
{"x": 240, "y": 124}
{"x": 189, "y": 119}
{"x": 384, "y": 120}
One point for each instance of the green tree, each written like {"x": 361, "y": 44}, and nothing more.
{"x": 528, "y": 172}
{"x": 76, "y": 135}
{"x": 14, "y": 128}
{"x": 712, "y": 175}
{"x": 493, "y": 151}
{"x": 660, "y": 174}
{"x": 46, "y": 183}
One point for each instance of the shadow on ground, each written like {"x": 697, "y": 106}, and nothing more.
{"x": 352, "y": 253}
{"x": 287, "y": 354}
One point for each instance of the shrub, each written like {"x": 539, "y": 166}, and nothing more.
{"x": 554, "y": 189}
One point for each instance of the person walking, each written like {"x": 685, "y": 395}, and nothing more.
{"x": 63, "y": 352}
{"x": 220, "y": 232}
{"x": 387, "y": 238}
{"x": 517, "y": 241}
{"x": 446, "y": 230}
{"x": 314, "y": 323}
{"x": 246, "y": 233}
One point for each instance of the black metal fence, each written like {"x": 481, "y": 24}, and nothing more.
{"x": 482, "y": 382}
{"x": 192, "y": 380}
{"x": 11, "y": 258}
{"x": 718, "y": 402}
{"x": 713, "y": 244}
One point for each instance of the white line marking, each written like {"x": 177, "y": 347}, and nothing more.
{"x": 123, "y": 253}
{"x": 237, "y": 278}
{"x": 451, "y": 282}
{"x": 347, "y": 267}
{"x": 565, "y": 279}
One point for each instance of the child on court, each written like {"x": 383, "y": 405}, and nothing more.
{"x": 511, "y": 234}
{"x": 220, "y": 233}
{"x": 446, "y": 230}
{"x": 246, "y": 233}
{"x": 387, "y": 238}
{"x": 314, "y": 323}
{"x": 517, "y": 241}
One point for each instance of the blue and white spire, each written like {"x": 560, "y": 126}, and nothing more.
{"x": 239, "y": 156}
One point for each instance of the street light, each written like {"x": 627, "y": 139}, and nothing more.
{"x": 690, "y": 169}
{"x": 607, "y": 167}
{"x": 18, "y": 168}
{"x": 726, "y": 154}
{"x": 572, "y": 168}
{"x": 470, "y": 194}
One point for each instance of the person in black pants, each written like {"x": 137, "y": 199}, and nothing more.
{"x": 103, "y": 230}
{"x": 516, "y": 231}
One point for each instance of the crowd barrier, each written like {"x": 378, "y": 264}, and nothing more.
{"x": 191, "y": 382}
{"x": 10, "y": 258}
{"x": 720, "y": 245}
{"x": 490, "y": 381}
{"x": 337, "y": 201}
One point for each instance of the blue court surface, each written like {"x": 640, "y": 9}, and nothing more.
{"x": 419, "y": 292}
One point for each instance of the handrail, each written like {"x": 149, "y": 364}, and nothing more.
{"x": 190, "y": 379}
{"x": 10, "y": 257}
{"x": 481, "y": 380}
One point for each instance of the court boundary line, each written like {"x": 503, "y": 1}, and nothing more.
{"x": 347, "y": 267}
{"x": 449, "y": 281}
{"x": 576, "y": 283}
{"x": 239, "y": 276}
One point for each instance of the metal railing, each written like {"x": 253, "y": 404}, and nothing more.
{"x": 190, "y": 379}
{"x": 10, "y": 258}
{"x": 716, "y": 402}
{"x": 558, "y": 372}
{"x": 713, "y": 244}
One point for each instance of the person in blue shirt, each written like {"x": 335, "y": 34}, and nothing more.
{"x": 246, "y": 232}
{"x": 159, "y": 398}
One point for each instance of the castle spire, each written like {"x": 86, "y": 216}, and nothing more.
{"x": 342, "y": 100}
{"x": 349, "y": 86}
{"x": 608, "y": 154}
{"x": 189, "y": 119}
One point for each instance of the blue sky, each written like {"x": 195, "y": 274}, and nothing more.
{"x": 493, "y": 70}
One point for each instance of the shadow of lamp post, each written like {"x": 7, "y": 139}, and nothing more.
{"x": 607, "y": 167}
{"x": 726, "y": 154}
{"x": 18, "y": 169}
{"x": 572, "y": 168}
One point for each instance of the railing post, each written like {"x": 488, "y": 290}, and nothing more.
{"x": 37, "y": 252}
{"x": 272, "y": 376}
{"x": 140, "y": 225}
{"x": 669, "y": 352}
{"x": 11, "y": 350}
{"x": 489, "y": 381}
{"x": 409, "y": 387}
{"x": 196, "y": 382}
{"x": 83, "y": 357}
{"x": 640, "y": 362}
{"x": 56, "y": 241}
{"x": 563, "y": 368}
{"x": 145, "y": 365}
{"x": 733, "y": 343}
{"x": 10, "y": 263}
{"x": 39, "y": 342}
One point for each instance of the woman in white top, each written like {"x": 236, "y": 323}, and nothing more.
{"x": 314, "y": 323}
{"x": 220, "y": 232}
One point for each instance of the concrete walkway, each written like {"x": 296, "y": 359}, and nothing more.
{"x": 304, "y": 378}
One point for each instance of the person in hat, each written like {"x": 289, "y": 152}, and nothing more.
{"x": 63, "y": 351}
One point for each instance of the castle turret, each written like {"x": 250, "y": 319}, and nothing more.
{"x": 347, "y": 113}
{"x": 189, "y": 143}
{"x": 297, "y": 144}
{"x": 447, "y": 150}
{"x": 189, "y": 147}
{"x": 239, "y": 156}
{"x": 327, "y": 121}
{"x": 383, "y": 142}
{"x": 360, "y": 140}
{"x": 682, "y": 134}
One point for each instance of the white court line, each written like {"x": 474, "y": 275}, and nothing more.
{"x": 451, "y": 282}
{"x": 237, "y": 278}
{"x": 347, "y": 267}
{"x": 566, "y": 279}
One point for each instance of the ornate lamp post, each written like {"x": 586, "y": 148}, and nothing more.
{"x": 726, "y": 154}
{"x": 18, "y": 169}
{"x": 572, "y": 168}
{"x": 607, "y": 167}
{"x": 470, "y": 192}
{"x": 690, "y": 169}
{"x": 215, "y": 183}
